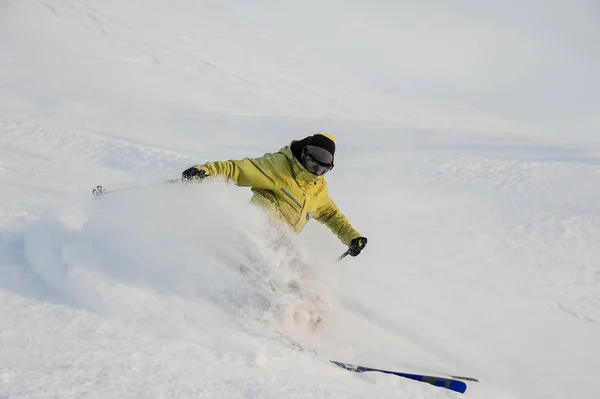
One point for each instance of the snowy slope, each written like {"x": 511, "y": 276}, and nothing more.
{"x": 482, "y": 256}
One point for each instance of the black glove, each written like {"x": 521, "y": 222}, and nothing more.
{"x": 193, "y": 174}
{"x": 357, "y": 245}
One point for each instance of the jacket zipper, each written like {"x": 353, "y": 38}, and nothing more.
{"x": 290, "y": 196}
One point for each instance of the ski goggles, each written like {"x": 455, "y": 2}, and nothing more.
{"x": 317, "y": 160}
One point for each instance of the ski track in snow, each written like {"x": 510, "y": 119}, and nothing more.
{"x": 482, "y": 256}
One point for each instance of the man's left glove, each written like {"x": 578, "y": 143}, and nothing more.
{"x": 357, "y": 245}
{"x": 193, "y": 174}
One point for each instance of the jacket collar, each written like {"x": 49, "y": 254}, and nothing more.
{"x": 298, "y": 170}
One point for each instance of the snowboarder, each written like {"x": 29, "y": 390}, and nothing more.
{"x": 290, "y": 185}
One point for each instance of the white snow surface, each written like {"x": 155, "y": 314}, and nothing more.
{"x": 483, "y": 238}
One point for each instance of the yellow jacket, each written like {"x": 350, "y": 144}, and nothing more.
{"x": 283, "y": 186}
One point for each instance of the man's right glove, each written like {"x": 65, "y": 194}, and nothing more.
{"x": 193, "y": 174}
{"x": 357, "y": 245}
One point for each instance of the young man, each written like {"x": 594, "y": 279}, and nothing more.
{"x": 290, "y": 185}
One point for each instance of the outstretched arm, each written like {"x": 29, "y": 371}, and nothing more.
{"x": 245, "y": 172}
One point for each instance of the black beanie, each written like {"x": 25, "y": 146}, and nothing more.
{"x": 324, "y": 142}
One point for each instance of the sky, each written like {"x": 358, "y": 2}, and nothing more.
{"x": 532, "y": 62}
